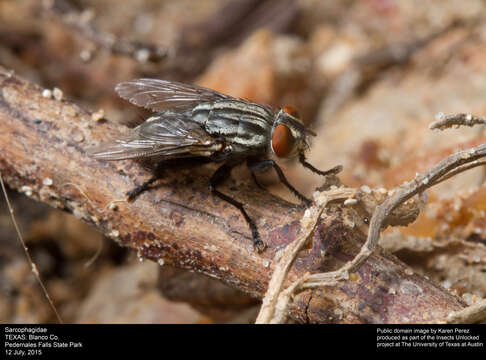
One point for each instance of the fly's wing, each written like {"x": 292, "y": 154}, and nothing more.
{"x": 169, "y": 135}
{"x": 160, "y": 95}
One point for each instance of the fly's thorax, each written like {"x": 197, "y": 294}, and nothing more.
{"x": 243, "y": 124}
{"x": 288, "y": 135}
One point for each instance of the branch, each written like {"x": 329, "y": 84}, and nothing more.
{"x": 42, "y": 154}
{"x": 446, "y": 121}
{"x": 453, "y": 164}
{"x": 230, "y": 24}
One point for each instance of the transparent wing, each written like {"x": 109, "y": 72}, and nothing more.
{"x": 160, "y": 95}
{"x": 170, "y": 136}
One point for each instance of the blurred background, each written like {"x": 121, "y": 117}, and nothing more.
{"x": 368, "y": 76}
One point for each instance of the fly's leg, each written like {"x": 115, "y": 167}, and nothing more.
{"x": 335, "y": 170}
{"x": 159, "y": 171}
{"x": 264, "y": 165}
{"x": 132, "y": 194}
{"x": 218, "y": 177}
{"x": 257, "y": 182}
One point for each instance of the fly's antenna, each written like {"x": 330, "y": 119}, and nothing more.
{"x": 27, "y": 253}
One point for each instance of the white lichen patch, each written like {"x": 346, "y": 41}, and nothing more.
{"x": 142, "y": 55}
{"x": 410, "y": 288}
{"x": 409, "y": 271}
{"x": 27, "y": 190}
{"x": 278, "y": 255}
{"x": 349, "y": 202}
{"x": 58, "y": 94}
{"x": 98, "y": 115}
{"x": 469, "y": 298}
{"x": 47, "y": 181}
{"x": 307, "y": 220}
{"x": 77, "y": 214}
{"x": 114, "y": 234}
{"x": 47, "y": 93}
{"x": 211, "y": 247}
{"x": 366, "y": 189}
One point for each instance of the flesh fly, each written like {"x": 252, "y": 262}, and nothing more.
{"x": 202, "y": 124}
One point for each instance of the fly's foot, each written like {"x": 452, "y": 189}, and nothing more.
{"x": 306, "y": 203}
{"x": 132, "y": 194}
{"x": 259, "y": 245}
{"x": 334, "y": 171}
{"x": 257, "y": 242}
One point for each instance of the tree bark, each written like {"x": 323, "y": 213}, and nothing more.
{"x": 43, "y": 143}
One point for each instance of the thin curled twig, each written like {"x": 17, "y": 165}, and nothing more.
{"x": 462, "y": 160}
{"x": 33, "y": 266}
{"x": 446, "y": 121}
{"x": 448, "y": 167}
{"x": 275, "y": 298}
{"x": 471, "y": 314}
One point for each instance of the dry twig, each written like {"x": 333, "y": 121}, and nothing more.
{"x": 436, "y": 174}
{"x": 229, "y": 25}
{"x": 471, "y": 314}
{"x": 33, "y": 266}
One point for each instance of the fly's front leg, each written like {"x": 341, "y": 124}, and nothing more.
{"x": 264, "y": 165}
{"x": 335, "y": 170}
{"x": 218, "y": 177}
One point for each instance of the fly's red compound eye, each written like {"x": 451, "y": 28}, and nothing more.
{"x": 282, "y": 141}
{"x": 291, "y": 111}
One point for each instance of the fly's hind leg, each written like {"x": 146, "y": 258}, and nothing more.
{"x": 159, "y": 172}
{"x": 218, "y": 177}
{"x": 136, "y": 191}
{"x": 132, "y": 194}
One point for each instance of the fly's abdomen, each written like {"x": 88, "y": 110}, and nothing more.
{"x": 246, "y": 125}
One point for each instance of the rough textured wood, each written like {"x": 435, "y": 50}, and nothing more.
{"x": 42, "y": 153}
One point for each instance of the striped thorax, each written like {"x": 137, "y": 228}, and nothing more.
{"x": 245, "y": 125}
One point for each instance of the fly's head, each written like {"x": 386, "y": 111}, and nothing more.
{"x": 290, "y": 138}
